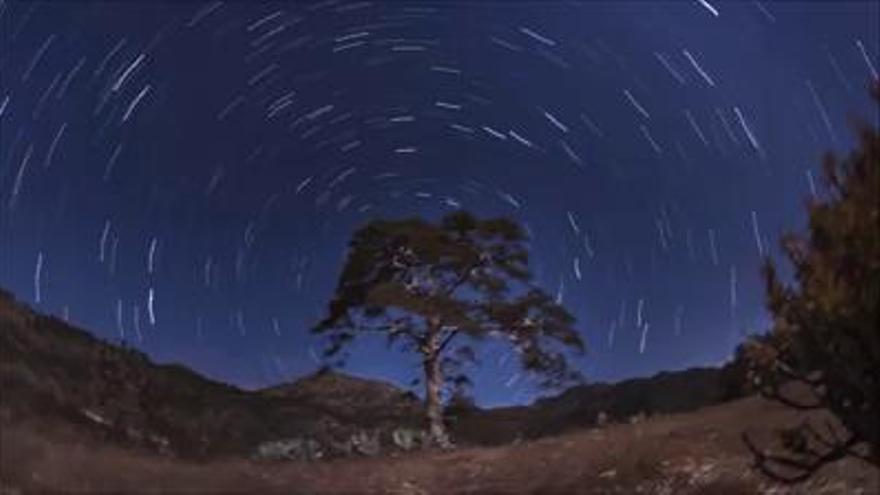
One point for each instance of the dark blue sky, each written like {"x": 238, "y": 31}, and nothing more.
{"x": 187, "y": 175}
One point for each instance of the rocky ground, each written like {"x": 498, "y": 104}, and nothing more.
{"x": 692, "y": 453}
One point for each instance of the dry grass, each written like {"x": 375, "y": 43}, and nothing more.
{"x": 697, "y": 453}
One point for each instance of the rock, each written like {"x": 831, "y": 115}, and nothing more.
{"x": 408, "y": 488}
{"x": 638, "y": 418}
{"x": 294, "y": 449}
{"x": 366, "y": 443}
{"x": 611, "y": 473}
{"x": 343, "y": 448}
{"x": 363, "y": 442}
{"x": 97, "y": 418}
{"x": 409, "y": 439}
{"x": 602, "y": 418}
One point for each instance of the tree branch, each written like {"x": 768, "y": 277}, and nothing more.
{"x": 464, "y": 277}
{"x": 773, "y": 392}
{"x": 761, "y": 463}
{"x": 764, "y": 461}
{"x": 451, "y": 335}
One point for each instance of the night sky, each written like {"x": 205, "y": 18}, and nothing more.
{"x": 186, "y": 176}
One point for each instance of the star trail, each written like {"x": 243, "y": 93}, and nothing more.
{"x": 185, "y": 176}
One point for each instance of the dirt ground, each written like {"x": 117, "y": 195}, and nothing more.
{"x": 693, "y": 453}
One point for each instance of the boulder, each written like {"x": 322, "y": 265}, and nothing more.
{"x": 366, "y": 443}
{"x": 408, "y": 439}
{"x": 293, "y": 449}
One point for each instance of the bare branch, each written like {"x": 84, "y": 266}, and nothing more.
{"x": 761, "y": 463}
{"x": 804, "y": 468}
{"x": 446, "y": 340}
{"x": 772, "y": 392}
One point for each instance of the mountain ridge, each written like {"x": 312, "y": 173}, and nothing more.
{"x": 71, "y": 375}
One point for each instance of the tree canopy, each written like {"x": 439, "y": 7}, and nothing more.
{"x": 823, "y": 350}
{"x": 438, "y": 288}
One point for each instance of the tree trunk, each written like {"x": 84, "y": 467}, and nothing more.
{"x": 433, "y": 383}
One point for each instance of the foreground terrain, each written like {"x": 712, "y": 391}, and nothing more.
{"x": 691, "y": 453}
{"x": 81, "y": 415}
{"x": 55, "y": 372}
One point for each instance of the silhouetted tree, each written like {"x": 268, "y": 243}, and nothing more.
{"x": 823, "y": 350}
{"x": 435, "y": 289}
{"x": 735, "y": 375}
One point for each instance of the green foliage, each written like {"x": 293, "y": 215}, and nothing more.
{"x": 825, "y": 339}
{"x": 438, "y": 288}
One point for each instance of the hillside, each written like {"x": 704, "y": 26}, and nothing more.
{"x": 689, "y": 453}
{"x": 79, "y": 412}
{"x": 118, "y": 394}
{"x": 587, "y": 405}
{"x": 51, "y": 371}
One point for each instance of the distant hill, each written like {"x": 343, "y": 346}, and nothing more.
{"x": 586, "y": 405}
{"x": 53, "y": 372}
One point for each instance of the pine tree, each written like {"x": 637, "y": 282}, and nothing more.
{"x": 437, "y": 289}
{"x": 823, "y": 350}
